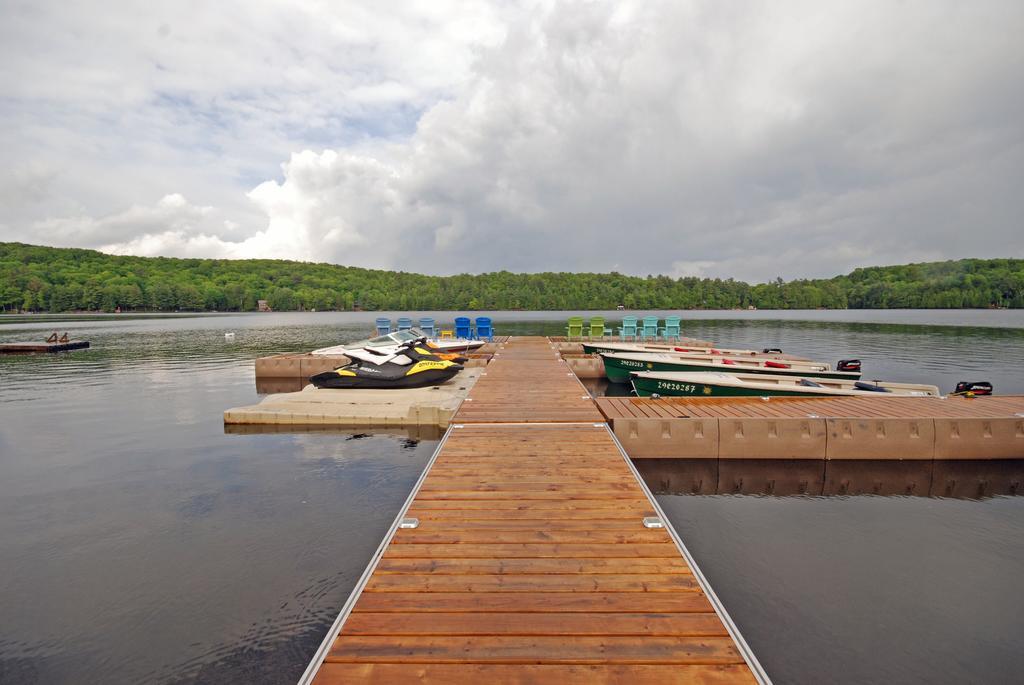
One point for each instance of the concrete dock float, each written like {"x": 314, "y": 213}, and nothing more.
{"x": 360, "y": 408}
{"x": 926, "y": 446}
{"x": 530, "y": 551}
{"x": 877, "y": 427}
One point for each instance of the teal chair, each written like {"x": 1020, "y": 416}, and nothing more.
{"x": 596, "y": 328}
{"x": 427, "y": 326}
{"x": 628, "y": 329}
{"x": 671, "y": 329}
{"x": 649, "y": 328}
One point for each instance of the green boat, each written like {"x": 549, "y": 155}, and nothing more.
{"x": 704, "y": 384}
{"x": 618, "y": 366}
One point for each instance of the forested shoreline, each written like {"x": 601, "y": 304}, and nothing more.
{"x": 36, "y": 278}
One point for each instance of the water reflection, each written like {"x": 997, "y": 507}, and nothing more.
{"x": 960, "y": 479}
{"x": 409, "y": 435}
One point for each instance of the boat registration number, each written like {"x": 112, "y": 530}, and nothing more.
{"x": 678, "y": 387}
{"x": 631, "y": 363}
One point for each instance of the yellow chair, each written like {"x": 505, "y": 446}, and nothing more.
{"x": 447, "y": 334}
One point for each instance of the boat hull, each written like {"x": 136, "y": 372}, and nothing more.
{"x": 456, "y": 345}
{"x": 726, "y": 385}
{"x": 645, "y": 387}
{"x": 618, "y": 369}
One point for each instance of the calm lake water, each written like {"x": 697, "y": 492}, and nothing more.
{"x": 141, "y": 543}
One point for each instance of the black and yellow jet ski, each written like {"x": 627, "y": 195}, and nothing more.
{"x": 410, "y": 366}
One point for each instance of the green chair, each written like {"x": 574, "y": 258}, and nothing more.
{"x": 575, "y": 327}
{"x": 628, "y": 329}
{"x": 596, "y": 328}
{"x": 671, "y": 329}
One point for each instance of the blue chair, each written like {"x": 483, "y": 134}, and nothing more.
{"x": 404, "y": 323}
{"x": 484, "y": 331}
{"x": 649, "y": 328}
{"x": 427, "y": 326}
{"x": 463, "y": 328}
{"x": 383, "y": 326}
{"x": 671, "y": 329}
{"x": 628, "y": 329}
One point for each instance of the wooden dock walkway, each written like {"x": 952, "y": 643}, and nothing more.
{"x": 522, "y": 556}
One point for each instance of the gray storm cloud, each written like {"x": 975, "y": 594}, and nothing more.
{"x": 748, "y": 140}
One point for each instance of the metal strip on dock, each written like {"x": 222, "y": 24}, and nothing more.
{"x": 530, "y": 551}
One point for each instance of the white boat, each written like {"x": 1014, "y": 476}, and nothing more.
{"x": 389, "y": 344}
{"x": 713, "y": 384}
{"x": 684, "y": 348}
{"x": 619, "y": 365}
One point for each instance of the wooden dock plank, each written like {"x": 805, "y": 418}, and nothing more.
{"x": 533, "y": 602}
{"x": 535, "y": 524}
{"x": 531, "y": 551}
{"x": 528, "y": 674}
{"x": 515, "y": 649}
{"x": 536, "y": 582}
{"x": 558, "y": 565}
{"x": 530, "y": 561}
{"x": 514, "y": 623}
{"x": 546, "y": 536}
{"x": 531, "y": 506}
{"x": 518, "y": 514}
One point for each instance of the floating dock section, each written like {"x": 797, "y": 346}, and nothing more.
{"x": 363, "y": 408}
{"x": 877, "y": 427}
{"x": 530, "y": 551}
{"x": 947, "y": 447}
{"x": 31, "y": 347}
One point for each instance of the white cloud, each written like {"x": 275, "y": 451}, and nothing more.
{"x": 140, "y": 229}
{"x": 721, "y": 139}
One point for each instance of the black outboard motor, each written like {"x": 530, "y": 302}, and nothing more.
{"x": 771, "y": 350}
{"x": 973, "y": 388}
{"x": 848, "y": 365}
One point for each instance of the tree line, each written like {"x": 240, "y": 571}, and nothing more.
{"x": 36, "y": 278}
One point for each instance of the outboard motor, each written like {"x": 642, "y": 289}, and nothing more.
{"x": 973, "y": 388}
{"x": 771, "y": 350}
{"x": 848, "y": 365}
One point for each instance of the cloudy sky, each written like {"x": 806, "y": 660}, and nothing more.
{"x": 732, "y": 139}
